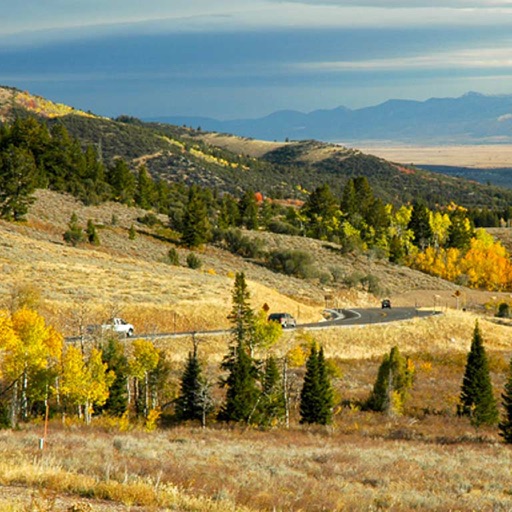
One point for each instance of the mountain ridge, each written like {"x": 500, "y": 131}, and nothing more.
{"x": 470, "y": 118}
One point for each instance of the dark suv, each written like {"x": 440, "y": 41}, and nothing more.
{"x": 386, "y": 304}
{"x": 285, "y": 319}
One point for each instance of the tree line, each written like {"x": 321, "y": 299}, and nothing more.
{"x": 131, "y": 382}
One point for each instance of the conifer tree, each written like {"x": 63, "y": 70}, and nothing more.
{"x": 316, "y": 397}
{"x": 249, "y": 210}
{"x": 194, "y": 401}
{"x": 505, "y": 425}
{"x": 394, "y": 379}
{"x": 113, "y": 355}
{"x": 420, "y": 225}
{"x": 242, "y": 392}
{"x": 196, "y": 226}
{"x": 17, "y": 182}
{"x": 145, "y": 191}
{"x": 92, "y": 235}
{"x": 477, "y": 398}
{"x": 272, "y": 407}
{"x": 74, "y": 235}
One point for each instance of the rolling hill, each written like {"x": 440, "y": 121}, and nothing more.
{"x": 234, "y": 164}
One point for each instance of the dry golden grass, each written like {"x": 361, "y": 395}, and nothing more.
{"x": 313, "y": 469}
{"x": 427, "y": 459}
{"x": 480, "y": 156}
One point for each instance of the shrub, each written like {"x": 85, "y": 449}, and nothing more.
{"x": 292, "y": 263}
{"x": 282, "y": 227}
{"x": 150, "y": 219}
{"x": 193, "y": 261}
{"x": 173, "y": 256}
{"x": 240, "y": 244}
{"x": 503, "y": 310}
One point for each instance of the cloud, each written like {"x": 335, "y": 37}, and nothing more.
{"x": 505, "y": 117}
{"x": 479, "y": 58}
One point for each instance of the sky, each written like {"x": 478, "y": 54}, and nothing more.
{"x": 232, "y": 59}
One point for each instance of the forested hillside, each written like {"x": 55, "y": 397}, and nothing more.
{"x": 291, "y": 170}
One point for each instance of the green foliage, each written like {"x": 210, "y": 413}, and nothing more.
{"x": 242, "y": 392}
{"x": 505, "y": 425}
{"x": 132, "y": 233}
{"x": 240, "y": 244}
{"x": 503, "y": 310}
{"x": 420, "y": 225}
{"x": 194, "y": 261}
{"x": 316, "y": 396}
{"x": 173, "y": 257}
{"x": 272, "y": 405}
{"x": 149, "y": 219}
{"x": 196, "y": 226}
{"x": 92, "y": 234}
{"x": 17, "y": 182}
{"x": 194, "y": 401}
{"x": 292, "y": 263}
{"x": 394, "y": 380}
{"x": 74, "y": 234}
{"x": 113, "y": 355}
{"x": 477, "y": 398}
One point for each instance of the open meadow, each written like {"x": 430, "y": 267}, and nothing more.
{"x": 426, "y": 459}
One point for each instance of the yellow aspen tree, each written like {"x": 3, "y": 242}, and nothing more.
{"x": 85, "y": 383}
{"x": 143, "y": 361}
{"x": 34, "y": 348}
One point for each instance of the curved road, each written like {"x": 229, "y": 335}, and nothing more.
{"x": 337, "y": 318}
{"x": 367, "y": 316}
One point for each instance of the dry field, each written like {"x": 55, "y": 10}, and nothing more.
{"x": 427, "y": 459}
{"x": 488, "y": 156}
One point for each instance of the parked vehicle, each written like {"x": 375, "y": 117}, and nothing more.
{"x": 117, "y": 325}
{"x": 285, "y": 319}
{"x": 386, "y": 304}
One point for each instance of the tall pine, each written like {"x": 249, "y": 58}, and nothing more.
{"x": 194, "y": 401}
{"x": 272, "y": 407}
{"x": 505, "y": 425}
{"x": 242, "y": 395}
{"x": 477, "y": 398}
{"x": 316, "y": 397}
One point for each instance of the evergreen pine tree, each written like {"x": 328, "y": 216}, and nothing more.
{"x": 113, "y": 354}
{"x": 272, "y": 407}
{"x": 316, "y": 397}
{"x": 420, "y": 225}
{"x": 74, "y": 235}
{"x": 477, "y": 398}
{"x": 145, "y": 190}
{"x": 196, "y": 226}
{"x": 505, "y": 425}
{"x": 309, "y": 394}
{"x": 132, "y": 233}
{"x": 17, "y": 178}
{"x": 92, "y": 235}
{"x": 242, "y": 392}
{"x": 325, "y": 391}
{"x": 249, "y": 210}
{"x": 194, "y": 401}
{"x": 394, "y": 379}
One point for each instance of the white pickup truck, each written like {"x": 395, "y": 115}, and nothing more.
{"x": 117, "y": 325}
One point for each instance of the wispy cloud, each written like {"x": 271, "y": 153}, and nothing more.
{"x": 482, "y": 58}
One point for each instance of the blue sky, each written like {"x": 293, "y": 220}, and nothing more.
{"x": 248, "y": 58}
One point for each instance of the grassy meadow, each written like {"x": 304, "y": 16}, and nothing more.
{"x": 426, "y": 459}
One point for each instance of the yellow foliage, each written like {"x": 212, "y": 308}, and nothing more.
{"x": 144, "y": 358}
{"x": 152, "y": 419}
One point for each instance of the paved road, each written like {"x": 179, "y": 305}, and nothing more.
{"x": 367, "y": 316}
{"x": 337, "y": 318}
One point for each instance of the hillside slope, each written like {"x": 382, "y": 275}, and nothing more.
{"x": 233, "y": 164}
{"x": 134, "y": 278}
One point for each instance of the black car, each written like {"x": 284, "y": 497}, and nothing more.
{"x": 386, "y": 303}
{"x": 285, "y": 319}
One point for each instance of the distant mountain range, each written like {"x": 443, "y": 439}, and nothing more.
{"x": 470, "y": 119}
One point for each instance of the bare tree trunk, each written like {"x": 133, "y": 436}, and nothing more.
{"x": 14, "y": 405}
